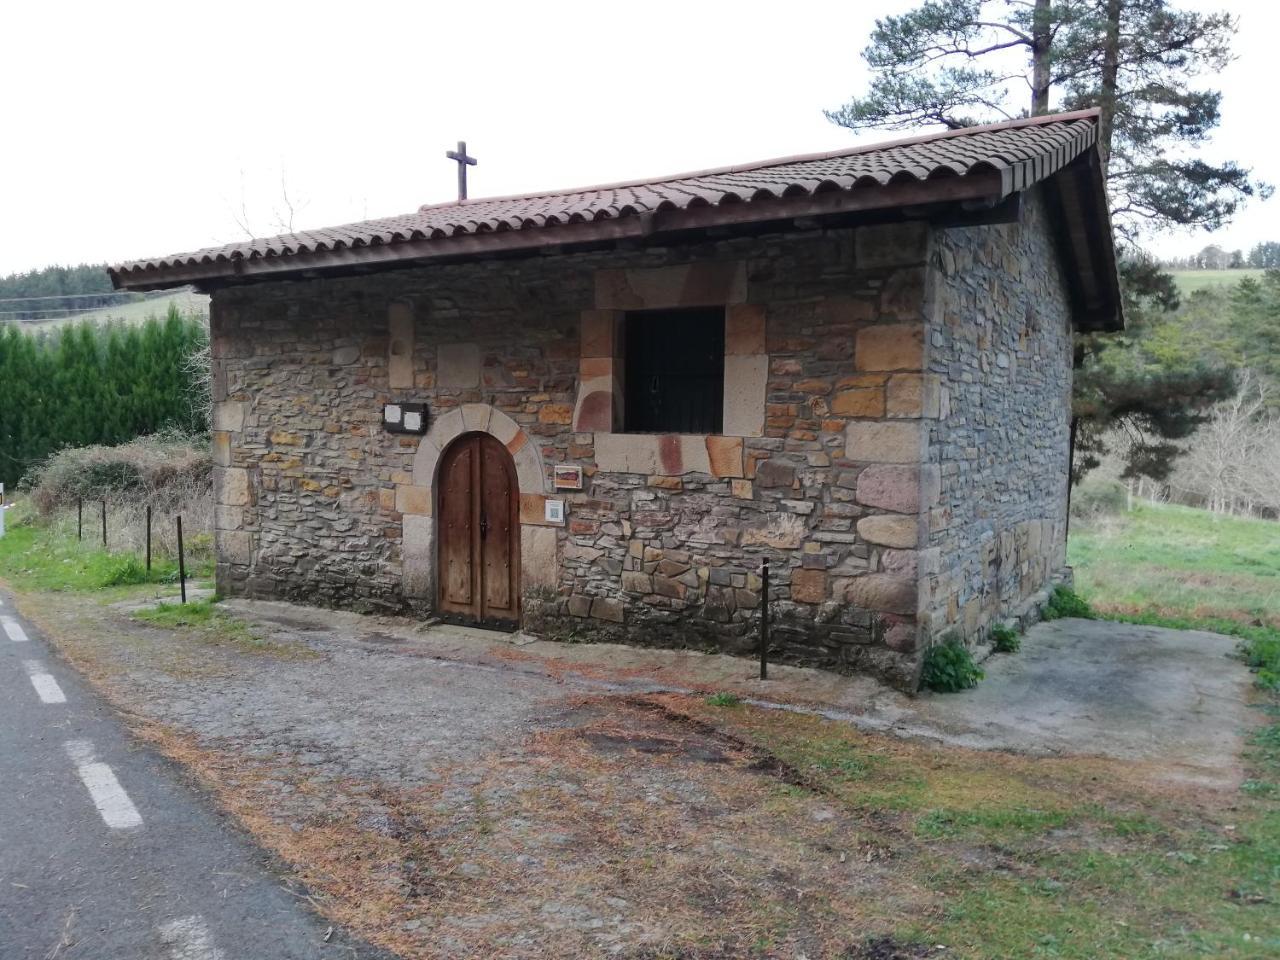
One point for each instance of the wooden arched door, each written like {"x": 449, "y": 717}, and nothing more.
{"x": 478, "y": 571}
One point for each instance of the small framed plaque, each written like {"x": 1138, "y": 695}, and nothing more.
{"x": 568, "y": 477}
{"x": 554, "y": 512}
{"x": 405, "y": 418}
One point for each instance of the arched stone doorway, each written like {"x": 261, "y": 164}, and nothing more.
{"x": 478, "y": 533}
{"x": 418, "y": 503}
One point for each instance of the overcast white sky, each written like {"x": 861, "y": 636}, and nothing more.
{"x": 135, "y": 129}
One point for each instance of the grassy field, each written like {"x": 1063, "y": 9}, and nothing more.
{"x": 187, "y": 301}
{"x": 1192, "y": 280}
{"x": 1183, "y": 567}
{"x": 40, "y": 558}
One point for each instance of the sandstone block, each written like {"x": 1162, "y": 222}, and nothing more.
{"x": 475, "y": 416}
{"x": 458, "y": 366}
{"x": 228, "y": 518}
{"x": 746, "y": 380}
{"x": 400, "y": 346}
{"x": 891, "y": 245}
{"x": 417, "y": 555}
{"x": 890, "y": 346}
{"x": 808, "y": 586}
{"x": 884, "y": 593}
{"x": 744, "y": 329}
{"x": 784, "y": 531}
{"x": 901, "y": 636}
{"x": 913, "y": 395}
{"x": 776, "y": 473}
{"x": 597, "y": 329}
{"x": 235, "y": 546}
{"x": 667, "y": 587}
{"x": 579, "y": 605}
{"x": 903, "y": 294}
{"x": 890, "y": 531}
{"x": 222, "y": 448}
{"x": 533, "y": 508}
{"x": 905, "y": 563}
{"x": 724, "y": 454}
{"x": 229, "y": 416}
{"x": 742, "y": 489}
{"x": 412, "y": 499}
{"x": 890, "y": 487}
{"x": 538, "y": 567}
{"x": 897, "y": 441}
{"x": 606, "y": 608}
{"x": 858, "y": 403}
{"x": 232, "y": 484}
{"x": 634, "y": 582}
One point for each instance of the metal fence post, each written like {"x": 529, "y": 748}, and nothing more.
{"x": 764, "y": 620}
{"x": 80, "y": 518}
{"x": 148, "y": 538}
{"x": 104, "y": 524}
{"x": 182, "y": 565}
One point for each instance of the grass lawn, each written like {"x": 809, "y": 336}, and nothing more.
{"x": 1187, "y": 568}
{"x": 31, "y": 559}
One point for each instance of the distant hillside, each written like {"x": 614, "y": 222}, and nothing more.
{"x": 1191, "y": 280}
{"x": 39, "y": 299}
{"x": 188, "y": 302}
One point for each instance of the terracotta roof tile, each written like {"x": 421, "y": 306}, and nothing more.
{"x": 1021, "y": 152}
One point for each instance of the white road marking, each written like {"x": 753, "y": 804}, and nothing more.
{"x": 117, "y": 810}
{"x": 14, "y": 629}
{"x": 189, "y": 939}
{"x": 46, "y": 686}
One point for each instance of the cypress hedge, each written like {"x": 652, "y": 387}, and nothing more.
{"x": 96, "y": 384}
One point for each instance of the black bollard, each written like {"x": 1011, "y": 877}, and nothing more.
{"x": 764, "y": 620}
{"x": 182, "y": 565}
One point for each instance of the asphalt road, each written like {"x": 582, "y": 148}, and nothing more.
{"x": 107, "y": 852}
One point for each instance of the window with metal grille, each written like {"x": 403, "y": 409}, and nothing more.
{"x": 674, "y": 371}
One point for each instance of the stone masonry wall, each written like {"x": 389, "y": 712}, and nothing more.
{"x": 1001, "y": 351}
{"x": 316, "y": 502}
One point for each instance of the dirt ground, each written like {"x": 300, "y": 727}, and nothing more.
{"x": 454, "y": 793}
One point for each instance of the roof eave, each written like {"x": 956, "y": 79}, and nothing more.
{"x": 976, "y": 188}
{"x": 1080, "y": 191}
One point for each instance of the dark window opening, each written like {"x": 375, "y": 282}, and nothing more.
{"x": 674, "y": 371}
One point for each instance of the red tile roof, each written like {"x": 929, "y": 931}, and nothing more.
{"x": 1002, "y": 158}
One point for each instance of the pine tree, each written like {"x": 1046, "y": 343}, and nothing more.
{"x": 957, "y": 62}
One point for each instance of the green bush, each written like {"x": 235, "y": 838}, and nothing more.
{"x": 1005, "y": 639}
{"x": 949, "y": 667}
{"x": 724, "y": 700}
{"x": 1261, "y": 651}
{"x": 163, "y": 469}
{"x": 1065, "y": 602}
{"x": 1099, "y": 498}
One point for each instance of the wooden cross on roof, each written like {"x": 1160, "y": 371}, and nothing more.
{"x": 460, "y": 155}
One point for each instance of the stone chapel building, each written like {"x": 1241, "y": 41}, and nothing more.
{"x": 597, "y": 411}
